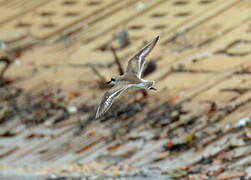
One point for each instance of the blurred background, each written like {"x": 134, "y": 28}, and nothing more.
{"x": 56, "y": 55}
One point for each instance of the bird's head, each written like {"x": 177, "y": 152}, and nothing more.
{"x": 112, "y": 81}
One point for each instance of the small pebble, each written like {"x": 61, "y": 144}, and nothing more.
{"x": 72, "y": 109}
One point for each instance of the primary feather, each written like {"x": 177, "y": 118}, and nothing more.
{"x": 136, "y": 63}
{"x": 109, "y": 98}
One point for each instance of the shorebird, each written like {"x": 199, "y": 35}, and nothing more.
{"x": 130, "y": 79}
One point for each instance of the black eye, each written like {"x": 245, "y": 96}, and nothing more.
{"x": 112, "y": 79}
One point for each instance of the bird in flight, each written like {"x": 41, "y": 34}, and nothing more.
{"x": 130, "y": 79}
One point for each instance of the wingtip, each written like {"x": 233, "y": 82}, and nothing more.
{"x": 157, "y": 38}
{"x": 98, "y": 113}
{"x": 96, "y": 116}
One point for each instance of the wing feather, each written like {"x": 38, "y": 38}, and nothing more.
{"x": 136, "y": 63}
{"x": 109, "y": 98}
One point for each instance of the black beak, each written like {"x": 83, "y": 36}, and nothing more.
{"x": 108, "y": 82}
{"x": 152, "y": 88}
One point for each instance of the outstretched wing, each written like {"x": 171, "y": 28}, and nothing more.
{"x": 136, "y": 63}
{"x": 109, "y": 98}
